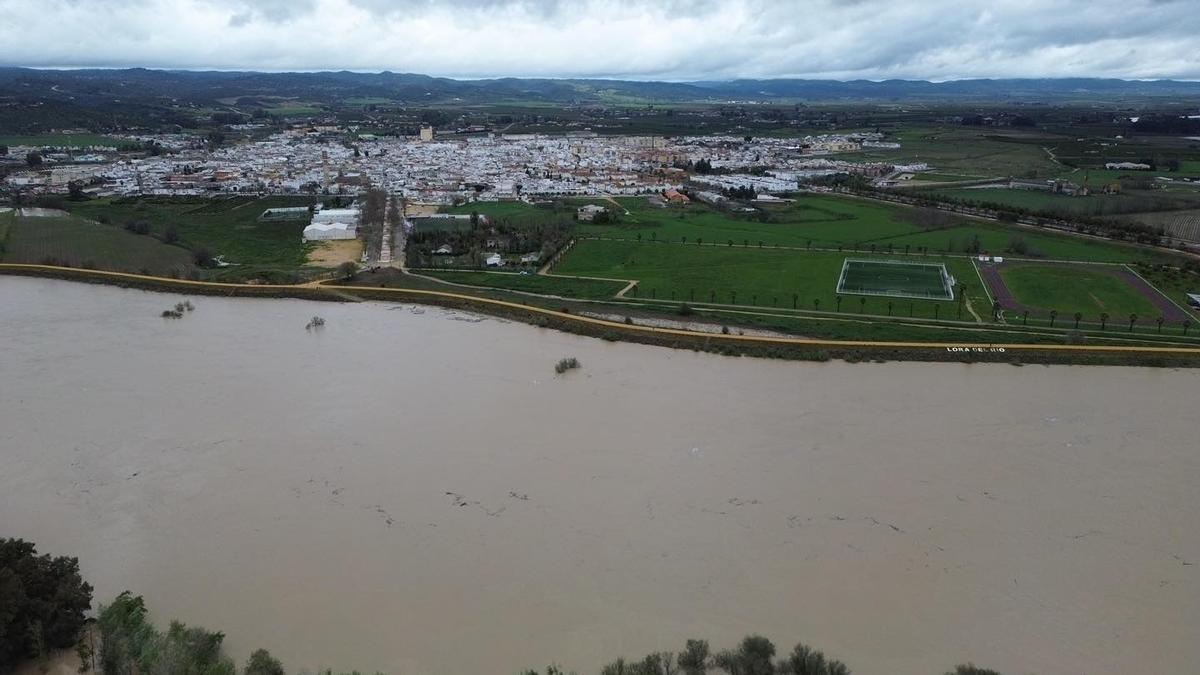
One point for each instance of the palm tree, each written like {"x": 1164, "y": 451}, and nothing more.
{"x": 683, "y": 240}
{"x": 1025, "y": 318}
{"x": 862, "y": 307}
{"x": 816, "y": 304}
{"x": 1187, "y": 323}
{"x": 889, "y": 307}
{"x": 1078, "y": 318}
{"x": 995, "y": 310}
{"x": 838, "y": 300}
{"x": 795, "y": 299}
{"x": 733, "y": 297}
{"x": 1103, "y": 320}
{"x": 1053, "y": 316}
{"x": 1132, "y": 320}
{"x": 1160, "y": 320}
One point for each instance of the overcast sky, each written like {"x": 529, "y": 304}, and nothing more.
{"x": 633, "y": 39}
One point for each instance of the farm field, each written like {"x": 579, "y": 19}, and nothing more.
{"x": 1000, "y": 240}
{"x": 968, "y": 151}
{"x": 819, "y": 221}
{"x": 517, "y": 214}
{"x": 227, "y": 227}
{"x": 588, "y": 289}
{"x": 745, "y": 276}
{"x": 80, "y": 243}
{"x": 1182, "y": 224}
{"x": 1091, "y": 205}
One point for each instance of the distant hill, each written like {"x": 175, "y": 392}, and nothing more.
{"x": 139, "y": 85}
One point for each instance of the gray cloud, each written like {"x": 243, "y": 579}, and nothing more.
{"x": 664, "y": 39}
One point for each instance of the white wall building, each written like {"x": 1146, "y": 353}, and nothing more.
{"x": 330, "y": 231}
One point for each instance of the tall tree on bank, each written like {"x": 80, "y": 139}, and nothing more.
{"x": 42, "y": 601}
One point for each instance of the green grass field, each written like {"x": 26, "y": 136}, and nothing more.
{"x": 968, "y": 151}
{"x": 228, "y": 228}
{"x": 745, "y": 276}
{"x": 79, "y": 243}
{"x": 517, "y": 214}
{"x": 587, "y": 289}
{"x": 817, "y": 220}
{"x": 1095, "y": 204}
{"x": 897, "y": 279}
{"x": 1074, "y": 288}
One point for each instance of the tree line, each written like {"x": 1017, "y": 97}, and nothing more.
{"x": 43, "y": 601}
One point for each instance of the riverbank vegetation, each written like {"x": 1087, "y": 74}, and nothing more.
{"x": 571, "y": 316}
{"x": 43, "y": 599}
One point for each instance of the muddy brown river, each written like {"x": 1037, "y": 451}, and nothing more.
{"x": 413, "y": 490}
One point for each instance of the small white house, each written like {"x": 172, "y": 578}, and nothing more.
{"x": 531, "y": 257}
{"x": 588, "y": 213}
{"x": 444, "y": 249}
{"x": 494, "y": 260}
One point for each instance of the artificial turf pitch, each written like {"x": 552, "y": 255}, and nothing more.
{"x": 895, "y": 279}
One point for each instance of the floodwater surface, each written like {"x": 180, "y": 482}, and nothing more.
{"x": 413, "y": 490}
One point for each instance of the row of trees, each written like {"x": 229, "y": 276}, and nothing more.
{"x": 754, "y": 655}
{"x": 43, "y": 600}
{"x": 133, "y": 646}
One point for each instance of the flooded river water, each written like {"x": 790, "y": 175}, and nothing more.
{"x": 413, "y": 490}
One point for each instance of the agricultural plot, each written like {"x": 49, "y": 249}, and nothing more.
{"x": 79, "y": 243}
{"x": 969, "y": 151}
{"x": 819, "y": 221}
{"x": 1020, "y": 242}
{"x": 226, "y": 227}
{"x": 1095, "y": 204}
{"x": 517, "y": 214}
{"x": 745, "y": 276}
{"x": 897, "y": 279}
{"x": 1183, "y": 225}
{"x": 1090, "y": 290}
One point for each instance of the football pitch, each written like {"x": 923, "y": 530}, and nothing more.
{"x": 896, "y": 279}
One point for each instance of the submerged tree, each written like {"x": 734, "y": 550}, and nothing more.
{"x": 752, "y": 657}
